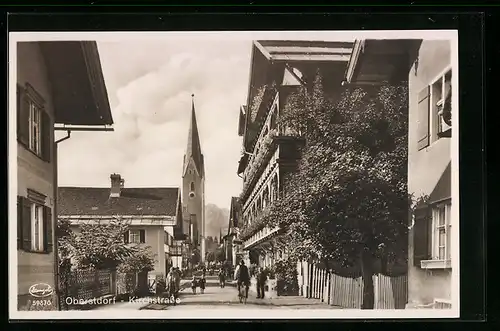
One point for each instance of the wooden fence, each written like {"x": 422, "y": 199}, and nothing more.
{"x": 390, "y": 292}
{"x": 85, "y": 284}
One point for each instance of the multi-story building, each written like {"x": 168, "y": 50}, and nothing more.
{"x": 232, "y": 244}
{"x": 270, "y": 151}
{"x": 153, "y": 215}
{"x": 58, "y": 83}
{"x": 193, "y": 188}
{"x": 427, "y": 67}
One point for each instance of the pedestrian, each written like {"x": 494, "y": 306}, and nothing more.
{"x": 261, "y": 278}
{"x": 194, "y": 284}
{"x": 222, "y": 278}
{"x": 202, "y": 284}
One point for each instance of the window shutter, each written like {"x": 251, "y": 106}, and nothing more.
{"x": 19, "y": 222}
{"x": 46, "y": 136}
{"x": 26, "y": 226}
{"x": 142, "y": 236}
{"x": 47, "y": 229}
{"x": 422, "y": 235}
{"x": 125, "y": 237}
{"x": 23, "y": 111}
{"x": 423, "y": 118}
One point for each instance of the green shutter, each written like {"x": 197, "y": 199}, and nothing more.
{"x": 142, "y": 236}
{"x": 423, "y": 118}
{"x": 422, "y": 235}
{"x": 47, "y": 229}
{"x": 125, "y": 237}
{"x": 26, "y": 224}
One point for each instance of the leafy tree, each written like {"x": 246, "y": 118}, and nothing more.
{"x": 195, "y": 257}
{"x": 142, "y": 260}
{"x": 348, "y": 197}
{"x": 99, "y": 246}
{"x": 210, "y": 257}
{"x": 219, "y": 255}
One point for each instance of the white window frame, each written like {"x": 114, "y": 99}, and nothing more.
{"x": 37, "y": 228}
{"x": 435, "y": 114}
{"x": 437, "y": 261}
{"x": 133, "y": 235}
{"x": 35, "y": 127}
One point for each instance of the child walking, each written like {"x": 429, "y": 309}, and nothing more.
{"x": 194, "y": 284}
{"x": 202, "y": 284}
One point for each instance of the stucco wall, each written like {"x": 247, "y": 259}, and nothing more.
{"x": 33, "y": 173}
{"x": 426, "y": 166}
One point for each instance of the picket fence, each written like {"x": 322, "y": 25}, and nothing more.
{"x": 85, "y": 284}
{"x": 390, "y": 292}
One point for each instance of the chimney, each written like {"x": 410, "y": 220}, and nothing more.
{"x": 116, "y": 185}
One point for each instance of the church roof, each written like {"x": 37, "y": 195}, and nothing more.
{"x": 132, "y": 201}
{"x": 193, "y": 149}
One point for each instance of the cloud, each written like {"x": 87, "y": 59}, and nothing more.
{"x": 150, "y": 86}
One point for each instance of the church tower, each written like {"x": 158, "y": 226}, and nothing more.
{"x": 193, "y": 187}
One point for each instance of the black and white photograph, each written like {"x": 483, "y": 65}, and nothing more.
{"x": 233, "y": 174}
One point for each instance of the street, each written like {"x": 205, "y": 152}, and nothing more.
{"x": 226, "y": 298}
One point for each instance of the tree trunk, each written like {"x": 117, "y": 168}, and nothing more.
{"x": 367, "y": 275}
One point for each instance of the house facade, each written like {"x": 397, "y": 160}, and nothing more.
{"x": 232, "y": 244}
{"x": 153, "y": 215}
{"x": 426, "y": 67}
{"x": 271, "y": 151}
{"x": 429, "y": 175}
{"x": 59, "y": 87}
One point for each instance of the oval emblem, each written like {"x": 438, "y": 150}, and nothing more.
{"x": 41, "y": 290}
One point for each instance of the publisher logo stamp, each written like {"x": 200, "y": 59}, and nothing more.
{"x": 41, "y": 290}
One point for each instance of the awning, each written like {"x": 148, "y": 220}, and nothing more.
{"x": 442, "y": 190}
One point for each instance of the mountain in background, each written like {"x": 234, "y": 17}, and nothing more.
{"x": 215, "y": 219}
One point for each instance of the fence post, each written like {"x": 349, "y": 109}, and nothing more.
{"x": 376, "y": 292}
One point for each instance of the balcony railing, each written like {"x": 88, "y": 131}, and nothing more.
{"x": 260, "y": 235}
{"x": 258, "y": 161}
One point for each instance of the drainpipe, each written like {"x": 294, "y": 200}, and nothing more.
{"x": 54, "y": 241}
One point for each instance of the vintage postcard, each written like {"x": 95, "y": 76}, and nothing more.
{"x": 243, "y": 175}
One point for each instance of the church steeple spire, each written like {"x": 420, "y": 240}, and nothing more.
{"x": 193, "y": 150}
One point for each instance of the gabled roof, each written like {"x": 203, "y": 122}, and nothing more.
{"x": 304, "y": 50}
{"x": 374, "y": 61}
{"x": 77, "y": 82}
{"x": 193, "y": 149}
{"x": 132, "y": 201}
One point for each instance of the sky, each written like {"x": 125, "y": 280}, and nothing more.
{"x": 149, "y": 83}
{"x": 149, "y": 80}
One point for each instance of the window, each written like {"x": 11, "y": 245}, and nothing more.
{"x": 135, "y": 237}
{"x": 441, "y": 107}
{"x": 442, "y": 227}
{"x": 34, "y": 128}
{"x": 434, "y": 111}
{"x": 34, "y": 226}
{"x": 37, "y": 227}
{"x": 192, "y": 186}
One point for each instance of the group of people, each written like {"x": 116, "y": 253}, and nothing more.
{"x": 242, "y": 277}
{"x": 199, "y": 282}
{"x": 173, "y": 281}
